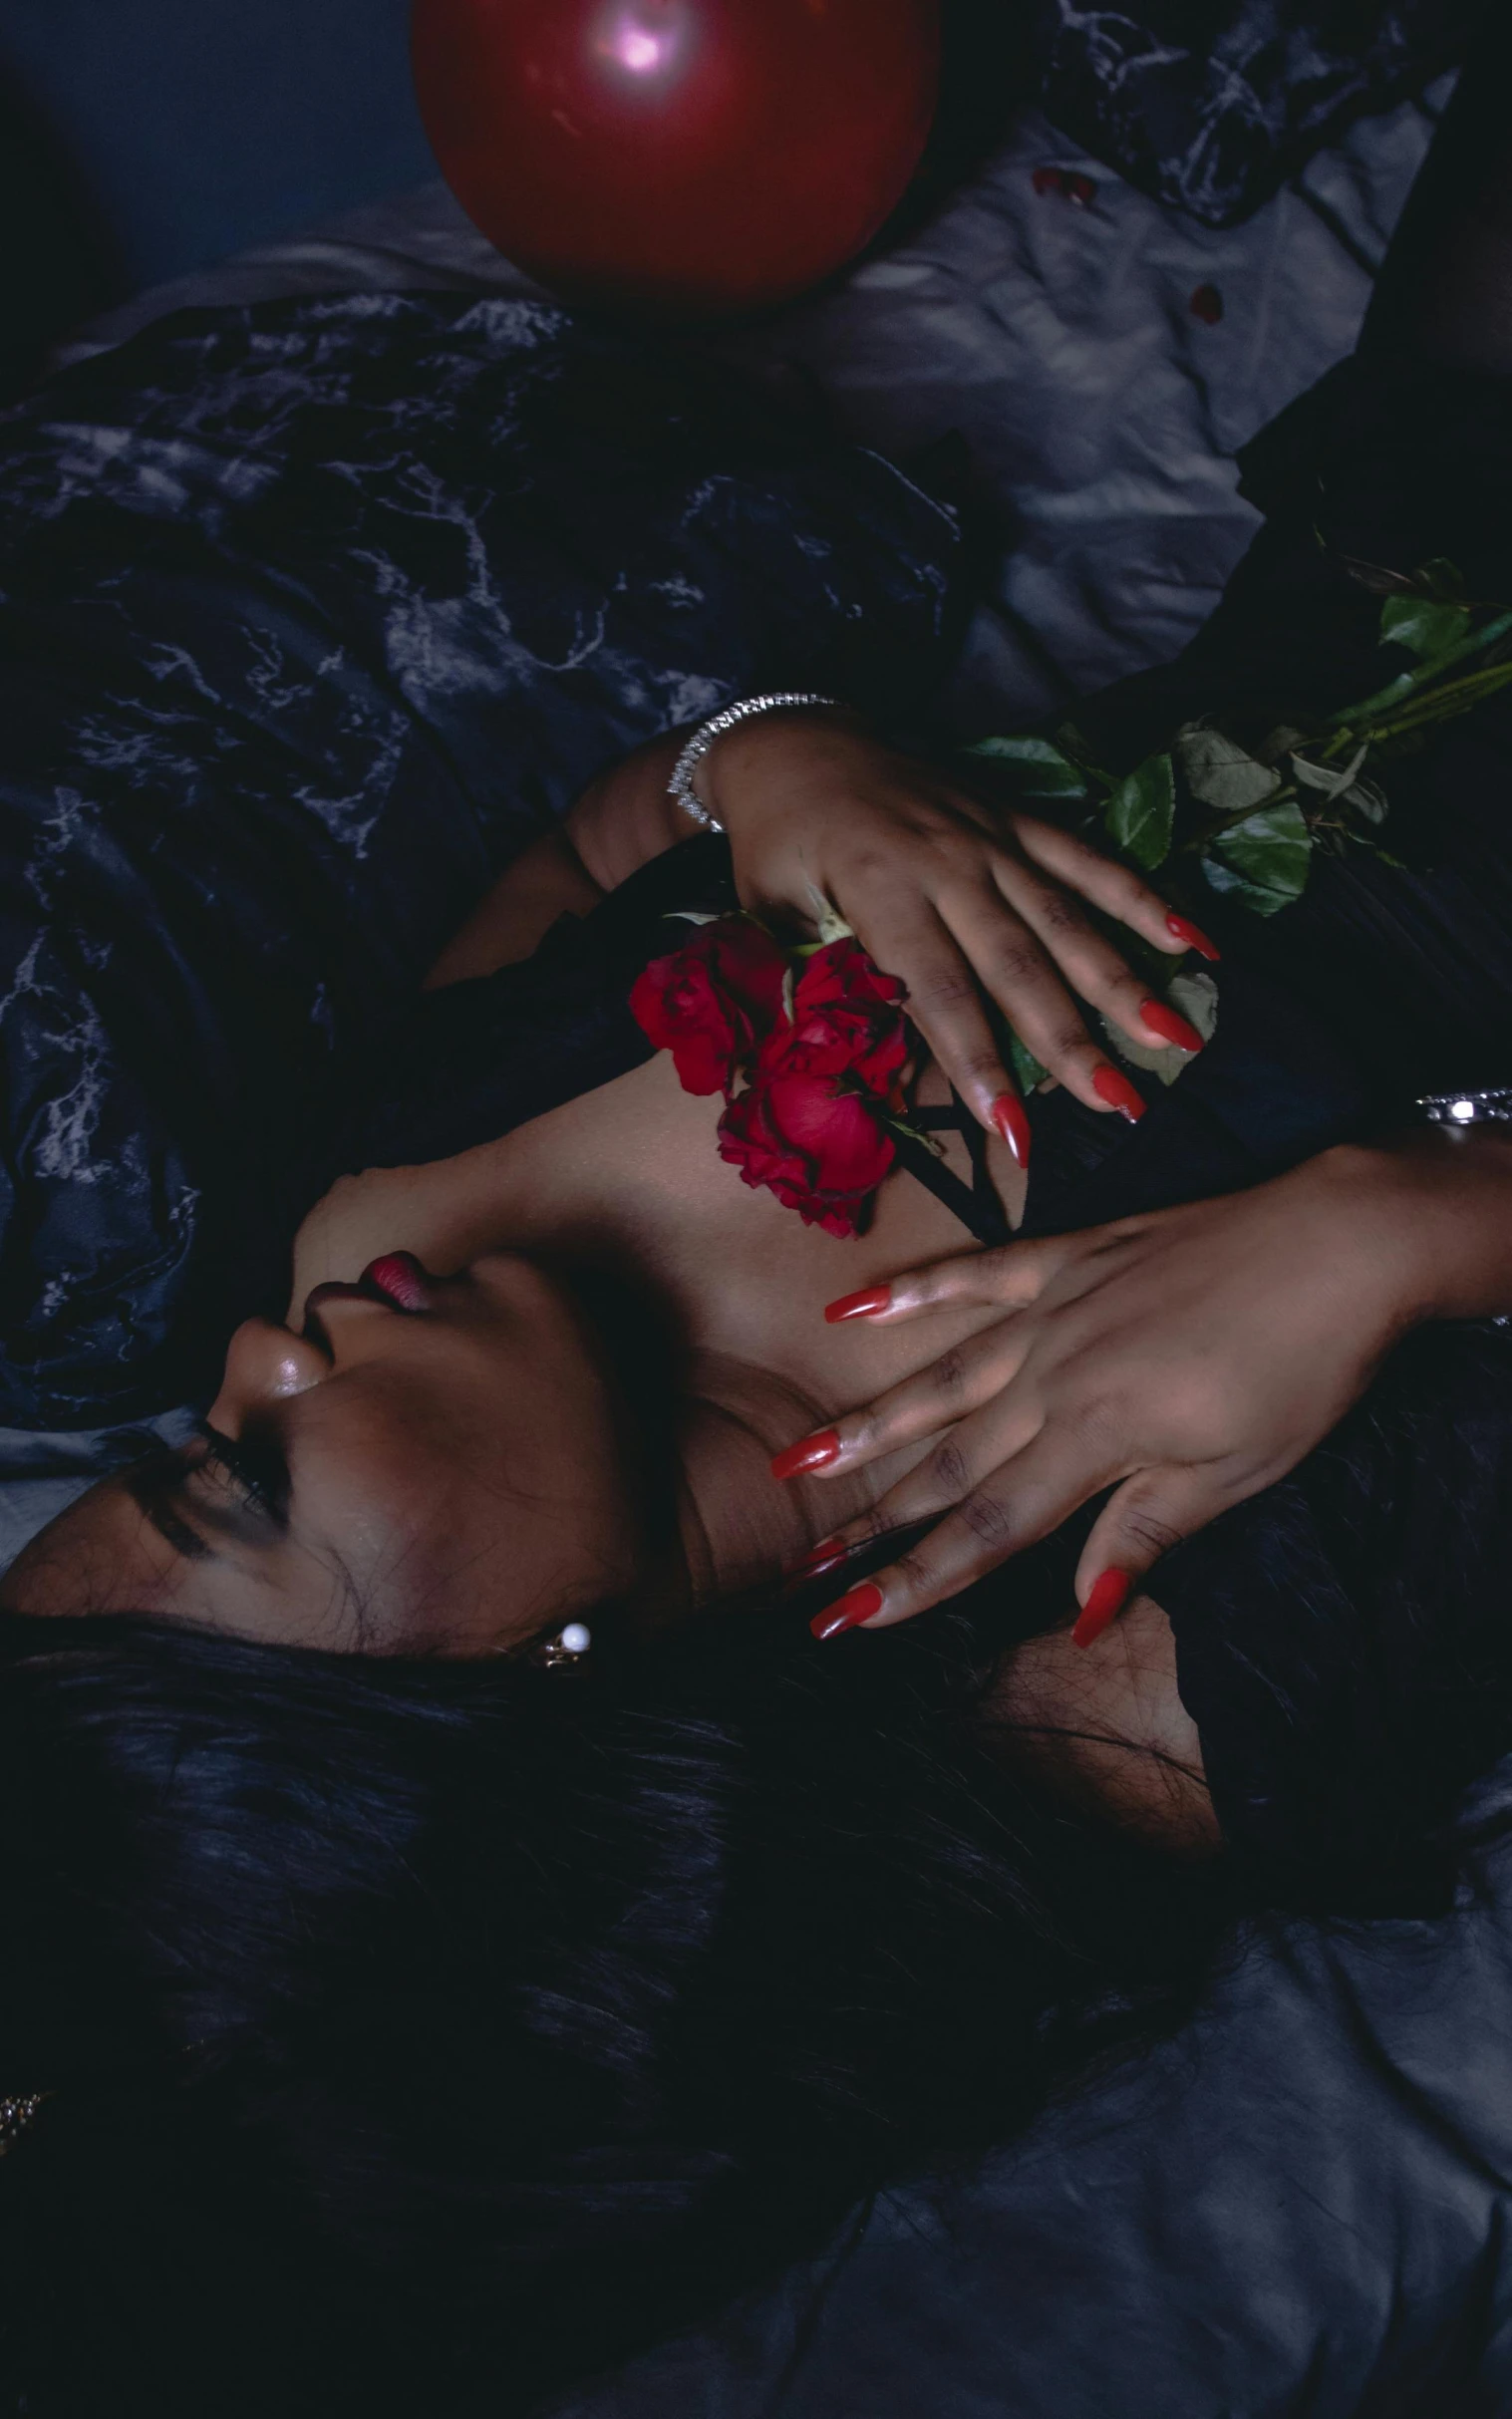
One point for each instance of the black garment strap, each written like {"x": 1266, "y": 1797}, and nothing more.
{"x": 975, "y": 1204}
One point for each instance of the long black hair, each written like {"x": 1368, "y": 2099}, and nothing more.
{"x": 414, "y": 2029}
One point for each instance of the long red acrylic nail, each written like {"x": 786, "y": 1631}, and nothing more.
{"x": 849, "y": 1611}
{"x": 828, "y": 1555}
{"x": 1116, "y": 1088}
{"x": 809, "y": 1453}
{"x": 859, "y": 1306}
{"x": 1165, "y": 1022}
{"x": 1181, "y": 928}
{"x": 1107, "y": 1600}
{"x": 1011, "y": 1119}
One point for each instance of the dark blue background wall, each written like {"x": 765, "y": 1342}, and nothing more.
{"x": 142, "y": 137}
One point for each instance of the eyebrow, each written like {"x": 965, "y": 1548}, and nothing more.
{"x": 146, "y": 1483}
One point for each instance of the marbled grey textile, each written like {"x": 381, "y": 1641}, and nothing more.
{"x": 1210, "y": 105}
{"x": 311, "y": 615}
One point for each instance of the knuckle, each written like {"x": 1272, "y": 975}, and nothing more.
{"x": 948, "y": 1464}
{"x": 914, "y": 1572}
{"x": 945, "y": 986}
{"x": 987, "y": 1519}
{"x": 1017, "y": 962}
{"x": 1069, "y": 1042}
{"x": 1060, "y": 916}
{"x": 951, "y": 1373}
{"x": 1146, "y": 1530}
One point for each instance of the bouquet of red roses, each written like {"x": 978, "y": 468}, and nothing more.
{"x": 810, "y": 1048}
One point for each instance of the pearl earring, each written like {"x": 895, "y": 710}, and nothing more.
{"x": 567, "y": 1648}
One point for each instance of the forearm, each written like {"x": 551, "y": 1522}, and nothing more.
{"x": 1435, "y": 1209}
{"x": 622, "y": 821}
{"x": 628, "y": 816}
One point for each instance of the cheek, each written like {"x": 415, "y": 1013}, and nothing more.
{"x": 478, "y": 1539}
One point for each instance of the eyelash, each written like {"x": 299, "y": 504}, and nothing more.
{"x": 257, "y": 1470}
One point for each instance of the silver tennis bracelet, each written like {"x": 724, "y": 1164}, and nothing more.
{"x": 778, "y": 701}
{"x": 1468, "y": 1108}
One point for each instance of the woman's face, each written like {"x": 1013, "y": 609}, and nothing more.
{"x": 433, "y": 1466}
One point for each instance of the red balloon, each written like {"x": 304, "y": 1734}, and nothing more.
{"x": 698, "y": 156}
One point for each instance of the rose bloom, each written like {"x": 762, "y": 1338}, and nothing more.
{"x": 812, "y": 1124}
{"x": 712, "y": 1002}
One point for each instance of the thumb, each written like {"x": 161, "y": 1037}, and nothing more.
{"x": 1151, "y": 1512}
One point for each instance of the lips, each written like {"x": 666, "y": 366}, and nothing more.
{"x": 400, "y": 1279}
{"x": 397, "y": 1280}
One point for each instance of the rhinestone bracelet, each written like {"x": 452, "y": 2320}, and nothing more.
{"x": 681, "y": 787}
{"x": 1468, "y": 1108}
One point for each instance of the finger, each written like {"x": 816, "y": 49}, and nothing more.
{"x": 1018, "y": 1503}
{"x": 1148, "y": 1515}
{"x": 1016, "y": 967}
{"x": 972, "y": 1373}
{"x": 1113, "y": 887}
{"x": 1088, "y": 960}
{"x": 1009, "y": 1277}
{"x": 945, "y": 1003}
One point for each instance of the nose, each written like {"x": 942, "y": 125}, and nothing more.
{"x": 265, "y": 1364}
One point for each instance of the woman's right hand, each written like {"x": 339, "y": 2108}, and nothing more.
{"x": 1185, "y": 1359}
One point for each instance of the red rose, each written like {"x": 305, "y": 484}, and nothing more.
{"x": 847, "y": 1019}
{"x": 714, "y": 1002}
{"x": 812, "y": 1124}
{"x": 822, "y": 1150}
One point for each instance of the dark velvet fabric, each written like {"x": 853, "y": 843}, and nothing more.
{"x": 1210, "y": 105}
{"x": 311, "y": 615}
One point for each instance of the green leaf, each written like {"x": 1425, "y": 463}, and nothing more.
{"x": 1141, "y": 814}
{"x": 1044, "y": 771}
{"x": 1221, "y": 773}
{"x": 1424, "y": 627}
{"x": 1264, "y": 860}
{"x": 1441, "y": 578}
{"x": 1028, "y": 1072}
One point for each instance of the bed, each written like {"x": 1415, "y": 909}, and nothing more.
{"x": 1297, "y": 2209}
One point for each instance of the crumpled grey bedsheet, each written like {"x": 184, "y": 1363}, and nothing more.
{"x": 1299, "y": 2209}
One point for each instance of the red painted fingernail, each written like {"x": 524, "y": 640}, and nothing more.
{"x": 825, "y": 1556}
{"x": 1165, "y": 1021}
{"x": 1110, "y": 1594}
{"x": 1181, "y": 928}
{"x": 809, "y": 1453}
{"x": 859, "y": 1606}
{"x": 1116, "y": 1088}
{"x": 1011, "y": 1119}
{"x": 1206, "y": 304}
{"x": 859, "y": 1306}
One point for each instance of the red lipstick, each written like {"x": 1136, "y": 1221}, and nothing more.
{"x": 399, "y": 1277}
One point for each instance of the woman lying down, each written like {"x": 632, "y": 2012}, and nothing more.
{"x": 462, "y": 1911}
{"x": 495, "y": 1862}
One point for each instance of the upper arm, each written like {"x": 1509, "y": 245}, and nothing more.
{"x": 549, "y": 882}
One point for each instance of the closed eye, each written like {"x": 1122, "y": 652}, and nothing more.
{"x": 255, "y": 1468}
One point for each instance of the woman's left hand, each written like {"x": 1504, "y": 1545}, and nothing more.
{"x": 1186, "y": 1358}
{"x": 956, "y": 898}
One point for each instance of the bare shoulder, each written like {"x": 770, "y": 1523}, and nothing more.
{"x": 1107, "y": 1726}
